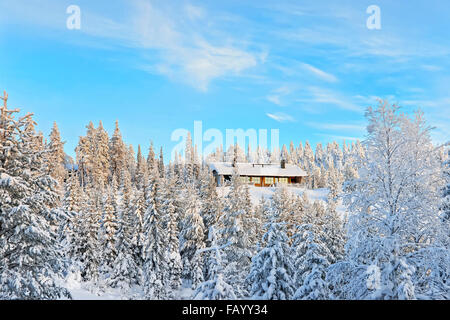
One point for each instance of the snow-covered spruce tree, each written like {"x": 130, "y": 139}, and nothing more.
{"x": 154, "y": 246}
{"x": 334, "y": 232}
{"x": 215, "y": 287}
{"x": 394, "y": 224}
{"x": 210, "y": 202}
{"x": 334, "y": 182}
{"x": 192, "y": 239}
{"x": 109, "y": 229}
{"x": 175, "y": 267}
{"x": 30, "y": 257}
{"x": 139, "y": 198}
{"x": 311, "y": 259}
{"x": 234, "y": 226}
{"x": 283, "y": 204}
{"x": 117, "y": 154}
{"x": 56, "y": 157}
{"x": 89, "y": 233}
{"x": 125, "y": 271}
{"x": 166, "y": 203}
{"x": 271, "y": 269}
{"x": 71, "y": 237}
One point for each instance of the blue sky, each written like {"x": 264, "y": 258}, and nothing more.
{"x": 307, "y": 68}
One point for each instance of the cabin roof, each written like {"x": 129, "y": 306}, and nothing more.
{"x": 258, "y": 170}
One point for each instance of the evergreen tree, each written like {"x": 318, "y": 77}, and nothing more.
{"x": 56, "y": 157}
{"x": 109, "y": 231}
{"x": 117, "y": 154}
{"x": 192, "y": 240}
{"x": 30, "y": 257}
{"x": 154, "y": 248}
{"x": 311, "y": 260}
{"x": 215, "y": 287}
{"x": 271, "y": 268}
{"x": 126, "y": 272}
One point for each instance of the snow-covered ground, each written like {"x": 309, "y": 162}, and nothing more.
{"x": 267, "y": 192}
{"x": 89, "y": 291}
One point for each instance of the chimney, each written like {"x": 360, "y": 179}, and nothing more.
{"x": 283, "y": 164}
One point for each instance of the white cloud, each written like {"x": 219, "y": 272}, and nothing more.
{"x": 186, "y": 54}
{"x": 319, "y": 73}
{"x": 280, "y": 117}
{"x": 324, "y": 96}
{"x": 338, "y": 126}
{"x": 168, "y": 43}
{"x": 274, "y": 99}
{"x": 277, "y": 94}
{"x": 338, "y": 137}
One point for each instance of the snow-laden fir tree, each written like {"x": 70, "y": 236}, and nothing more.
{"x": 311, "y": 259}
{"x": 271, "y": 269}
{"x": 73, "y": 204}
{"x": 125, "y": 272}
{"x": 394, "y": 225}
{"x": 214, "y": 287}
{"x": 235, "y": 225}
{"x": 169, "y": 223}
{"x": 192, "y": 239}
{"x": 56, "y": 157}
{"x": 117, "y": 154}
{"x": 334, "y": 231}
{"x": 283, "y": 204}
{"x": 109, "y": 229}
{"x": 154, "y": 247}
{"x": 30, "y": 257}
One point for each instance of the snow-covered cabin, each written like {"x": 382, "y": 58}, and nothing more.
{"x": 258, "y": 174}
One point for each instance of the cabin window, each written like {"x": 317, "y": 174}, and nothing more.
{"x": 283, "y": 180}
{"x": 245, "y": 179}
{"x": 269, "y": 180}
{"x": 256, "y": 180}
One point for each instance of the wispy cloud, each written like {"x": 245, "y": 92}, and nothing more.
{"x": 320, "y": 73}
{"x": 340, "y": 138}
{"x": 360, "y": 127}
{"x": 319, "y": 95}
{"x": 277, "y": 94}
{"x": 280, "y": 117}
{"x": 180, "y": 48}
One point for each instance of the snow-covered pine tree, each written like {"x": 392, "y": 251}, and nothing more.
{"x": 192, "y": 239}
{"x": 117, "y": 154}
{"x": 56, "y": 157}
{"x": 125, "y": 272}
{"x": 283, "y": 204}
{"x": 271, "y": 269}
{"x": 214, "y": 287}
{"x": 151, "y": 162}
{"x": 154, "y": 246}
{"x": 72, "y": 204}
{"x": 334, "y": 232}
{"x": 109, "y": 229}
{"x": 30, "y": 257}
{"x": 234, "y": 226}
{"x": 311, "y": 259}
{"x": 85, "y": 155}
{"x": 101, "y": 157}
{"x": 174, "y": 267}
